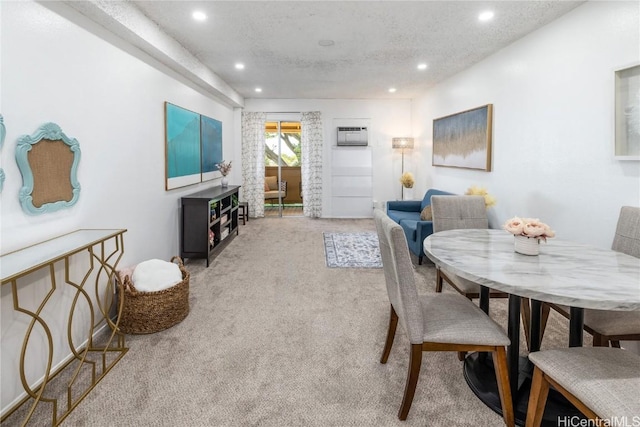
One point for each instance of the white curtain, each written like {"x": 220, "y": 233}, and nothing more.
{"x": 253, "y": 161}
{"x": 311, "y": 124}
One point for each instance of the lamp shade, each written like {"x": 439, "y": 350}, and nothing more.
{"x": 402, "y": 142}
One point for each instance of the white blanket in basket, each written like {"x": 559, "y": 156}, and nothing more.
{"x": 155, "y": 275}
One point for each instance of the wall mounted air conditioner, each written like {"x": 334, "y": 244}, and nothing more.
{"x": 353, "y": 137}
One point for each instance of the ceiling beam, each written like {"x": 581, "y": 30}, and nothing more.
{"x": 127, "y": 22}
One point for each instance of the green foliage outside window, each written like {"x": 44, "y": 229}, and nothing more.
{"x": 290, "y": 152}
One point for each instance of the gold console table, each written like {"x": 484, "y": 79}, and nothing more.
{"x": 89, "y": 317}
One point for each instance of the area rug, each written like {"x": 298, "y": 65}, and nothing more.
{"x": 352, "y": 250}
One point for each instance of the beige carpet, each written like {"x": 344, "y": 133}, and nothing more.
{"x": 275, "y": 338}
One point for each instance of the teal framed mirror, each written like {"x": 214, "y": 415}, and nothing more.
{"x": 48, "y": 161}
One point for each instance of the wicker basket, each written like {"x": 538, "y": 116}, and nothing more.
{"x": 149, "y": 312}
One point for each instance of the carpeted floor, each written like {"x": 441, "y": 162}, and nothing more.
{"x": 275, "y": 338}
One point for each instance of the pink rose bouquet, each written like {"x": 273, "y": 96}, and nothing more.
{"x": 529, "y": 227}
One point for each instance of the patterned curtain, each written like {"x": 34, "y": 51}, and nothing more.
{"x": 253, "y": 161}
{"x": 311, "y": 124}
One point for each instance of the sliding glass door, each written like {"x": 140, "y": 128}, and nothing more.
{"x": 282, "y": 159}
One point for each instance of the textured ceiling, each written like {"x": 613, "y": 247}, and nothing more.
{"x": 378, "y": 44}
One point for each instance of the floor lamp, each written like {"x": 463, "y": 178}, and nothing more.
{"x": 402, "y": 143}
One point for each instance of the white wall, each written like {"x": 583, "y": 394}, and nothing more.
{"x": 111, "y": 101}
{"x": 552, "y": 94}
{"x": 385, "y": 119}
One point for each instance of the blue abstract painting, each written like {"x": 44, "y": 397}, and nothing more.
{"x": 211, "y": 138}
{"x": 463, "y": 140}
{"x": 182, "y": 134}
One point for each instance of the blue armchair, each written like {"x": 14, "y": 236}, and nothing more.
{"x": 407, "y": 214}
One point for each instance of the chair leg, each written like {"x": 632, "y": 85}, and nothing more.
{"x": 415, "y": 360}
{"x": 502, "y": 378}
{"x": 600, "y": 340}
{"x": 420, "y": 260}
{"x": 537, "y": 399}
{"x": 391, "y": 333}
{"x": 597, "y": 341}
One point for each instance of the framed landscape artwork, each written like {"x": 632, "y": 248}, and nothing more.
{"x": 182, "y": 136}
{"x": 627, "y": 113}
{"x": 211, "y": 138}
{"x": 463, "y": 140}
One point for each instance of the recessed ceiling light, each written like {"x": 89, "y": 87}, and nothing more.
{"x": 199, "y": 16}
{"x": 326, "y": 43}
{"x": 239, "y": 66}
{"x": 258, "y": 89}
{"x": 485, "y": 16}
{"x": 422, "y": 66}
{"x": 392, "y": 89}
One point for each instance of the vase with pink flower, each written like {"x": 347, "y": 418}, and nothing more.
{"x": 528, "y": 233}
{"x": 224, "y": 169}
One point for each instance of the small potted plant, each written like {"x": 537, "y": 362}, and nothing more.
{"x": 407, "y": 181}
{"x": 224, "y": 169}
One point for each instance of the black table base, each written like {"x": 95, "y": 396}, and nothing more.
{"x": 481, "y": 378}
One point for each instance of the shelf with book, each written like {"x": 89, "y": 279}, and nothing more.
{"x": 208, "y": 222}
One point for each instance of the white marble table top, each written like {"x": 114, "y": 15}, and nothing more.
{"x": 566, "y": 273}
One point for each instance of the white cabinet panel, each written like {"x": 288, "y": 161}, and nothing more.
{"x": 345, "y": 186}
{"x": 351, "y": 182}
{"x": 352, "y": 207}
{"x": 351, "y": 171}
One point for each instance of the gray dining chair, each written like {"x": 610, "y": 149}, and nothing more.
{"x": 602, "y": 383}
{"x": 466, "y": 212}
{"x": 612, "y": 326}
{"x": 453, "y": 213}
{"x": 434, "y": 322}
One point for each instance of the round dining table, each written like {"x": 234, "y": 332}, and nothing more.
{"x": 573, "y": 274}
